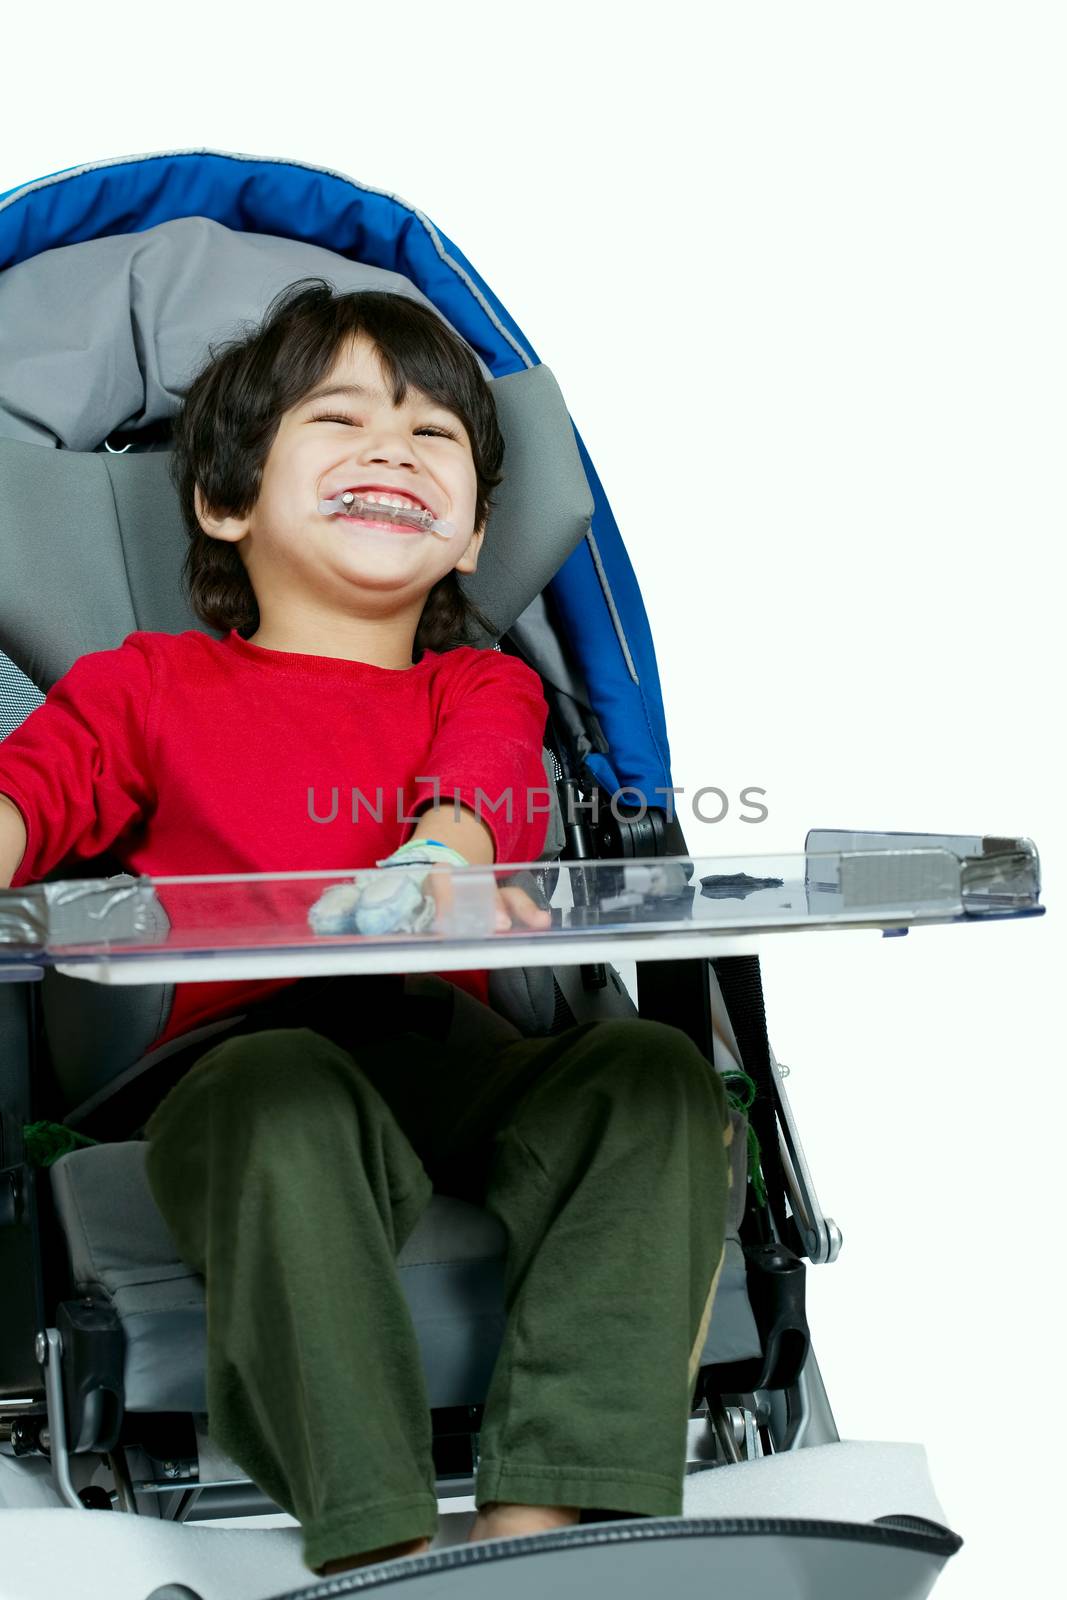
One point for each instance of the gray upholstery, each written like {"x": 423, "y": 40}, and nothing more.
{"x": 526, "y": 996}
{"x": 451, "y": 1273}
{"x": 108, "y": 333}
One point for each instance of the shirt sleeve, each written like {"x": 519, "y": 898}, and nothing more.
{"x": 77, "y": 768}
{"x": 486, "y": 753}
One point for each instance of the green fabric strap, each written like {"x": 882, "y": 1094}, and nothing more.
{"x": 741, "y": 1099}
{"x": 45, "y": 1142}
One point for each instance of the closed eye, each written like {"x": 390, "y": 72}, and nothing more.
{"x": 331, "y": 416}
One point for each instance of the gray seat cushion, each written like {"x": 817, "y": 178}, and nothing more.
{"x": 451, "y": 1273}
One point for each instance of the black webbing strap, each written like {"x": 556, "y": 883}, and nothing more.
{"x": 742, "y": 993}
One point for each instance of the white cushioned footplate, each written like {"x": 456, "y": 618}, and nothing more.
{"x": 59, "y": 1552}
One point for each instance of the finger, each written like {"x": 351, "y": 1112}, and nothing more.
{"x": 438, "y": 883}
{"x": 521, "y": 908}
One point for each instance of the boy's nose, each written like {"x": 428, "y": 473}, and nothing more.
{"x": 385, "y": 442}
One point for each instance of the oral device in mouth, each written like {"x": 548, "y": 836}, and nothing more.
{"x": 351, "y": 504}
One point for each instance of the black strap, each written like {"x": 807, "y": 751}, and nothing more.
{"x": 742, "y": 992}
{"x": 363, "y": 1005}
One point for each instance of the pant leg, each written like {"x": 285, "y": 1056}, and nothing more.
{"x": 610, "y": 1177}
{"x": 288, "y": 1185}
{"x": 603, "y": 1150}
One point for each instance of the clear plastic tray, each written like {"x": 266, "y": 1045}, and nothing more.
{"x": 194, "y": 928}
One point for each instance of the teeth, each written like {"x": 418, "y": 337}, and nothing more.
{"x": 402, "y": 502}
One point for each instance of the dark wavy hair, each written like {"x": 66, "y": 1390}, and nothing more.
{"x": 230, "y": 414}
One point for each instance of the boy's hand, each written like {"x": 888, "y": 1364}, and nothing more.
{"x": 411, "y": 895}
{"x": 513, "y": 905}
{"x": 466, "y": 835}
{"x": 376, "y": 902}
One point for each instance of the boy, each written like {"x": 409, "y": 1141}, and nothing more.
{"x": 293, "y": 1159}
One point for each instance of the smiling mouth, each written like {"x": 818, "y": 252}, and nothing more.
{"x": 367, "y": 509}
{"x": 350, "y": 507}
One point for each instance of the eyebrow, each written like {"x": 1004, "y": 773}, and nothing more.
{"x": 353, "y": 390}
{"x": 343, "y": 388}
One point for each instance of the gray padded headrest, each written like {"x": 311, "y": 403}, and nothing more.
{"x": 109, "y": 333}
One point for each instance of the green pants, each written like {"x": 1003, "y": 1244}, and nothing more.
{"x": 293, "y": 1160}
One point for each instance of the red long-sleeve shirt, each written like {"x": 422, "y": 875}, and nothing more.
{"x": 183, "y": 754}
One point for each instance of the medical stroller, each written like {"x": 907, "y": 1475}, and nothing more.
{"x": 114, "y": 278}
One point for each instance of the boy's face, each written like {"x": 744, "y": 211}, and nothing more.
{"x": 331, "y": 442}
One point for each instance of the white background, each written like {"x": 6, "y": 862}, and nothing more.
{"x": 800, "y": 271}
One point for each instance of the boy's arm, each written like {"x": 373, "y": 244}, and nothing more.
{"x": 488, "y": 746}
{"x": 473, "y": 790}
{"x": 468, "y": 834}
{"x": 483, "y": 776}
{"x": 12, "y": 840}
{"x": 75, "y": 774}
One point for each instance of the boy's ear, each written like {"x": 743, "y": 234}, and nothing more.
{"x": 229, "y": 528}
{"x": 468, "y": 561}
